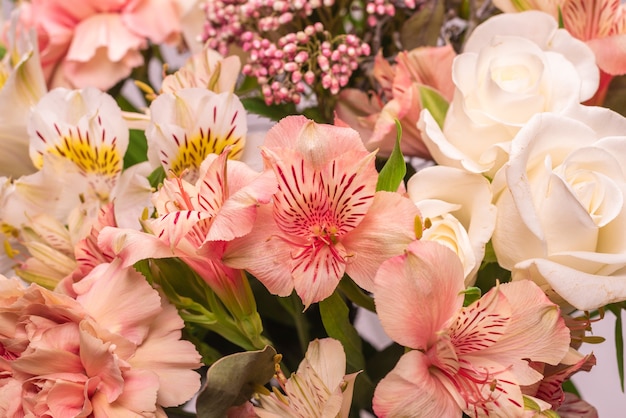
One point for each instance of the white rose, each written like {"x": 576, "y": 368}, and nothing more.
{"x": 458, "y": 205}
{"x": 512, "y": 67}
{"x": 561, "y": 217}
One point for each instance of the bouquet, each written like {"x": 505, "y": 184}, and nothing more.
{"x": 326, "y": 208}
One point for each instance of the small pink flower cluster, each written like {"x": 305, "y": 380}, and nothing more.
{"x": 377, "y": 9}
{"x": 295, "y": 63}
{"x": 227, "y": 20}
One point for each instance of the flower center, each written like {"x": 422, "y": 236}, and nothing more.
{"x": 194, "y": 149}
{"x": 76, "y": 146}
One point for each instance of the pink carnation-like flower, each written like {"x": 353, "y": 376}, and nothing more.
{"x": 98, "y": 42}
{"x": 101, "y": 354}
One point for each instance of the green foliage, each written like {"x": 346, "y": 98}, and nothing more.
{"x": 392, "y": 173}
{"x": 472, "y": 294}
{"x": 353, "y": 292}
{"x": 156, "y": 177}
{"x": 198, "y": 304}
{"x": 435, "y": 103}
{"x": 233, "y": 379}
{"x": 257, "y": 106}
{"x": 619, "y": 340}
{"x": 336, "y": 320}
{"x": 423, "y": 27}
{"x": 137, "y": 151}
{"x": 616, "y": 96}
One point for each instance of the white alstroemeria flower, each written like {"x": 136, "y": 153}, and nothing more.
{"x": 458, "y": 207}
{"x": 513, "y": 66}
{"x": 319, "y": 388}
{"x": 562, "y": 210}
{"x": 206, "y": 69}
{"x": 79, "y": 138}
{"x": 22, "y": 84}
{"x": 190, "y": 124}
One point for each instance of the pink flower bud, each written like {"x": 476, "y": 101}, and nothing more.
{"x": 309, "y": 77}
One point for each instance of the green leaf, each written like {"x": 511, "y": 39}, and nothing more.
{"x": 137, "y": 151}
{"x": 472, "y": 294}
{"x": 568, "y": 386}
{"x": 423, "y": 27}
{"x": 232, "y": 380}
{"x": 531, "y": 405}
{"x": 619, "y": 341}
{"x": 435, "y": 103}
{"x": 334, "y": 313}
{"x": 490, "y": 255}
{"x": 156, "y": 177}
{"x": 393, "y": 171}
{"x": 616, "y": 95}
{"x": 356, "y": 294}
{"x": 257, "y": 106}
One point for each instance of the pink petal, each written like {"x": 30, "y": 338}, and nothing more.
{"x": 131, "y": 245}
{"x": 574, "y": 407}
{"x": 264, "y": 254}
{"x": 139, "y": 397}
{"x": 103, "y": 31}
{"x": 157, "y": 20}
{"x": 170, "y": 358}
{"x": 589, "y": 19}
{"x": 376, "y": 239}
{"x": 69, "y": 399}
{"x": 410, "y": 390}
{"x": 316, "y": 272}
{"x": 417, "y": 293}
{"x": 318, "y": 143}
{"x": 98, "y": 359}
{"x": 610, "y": 53}
{"x": 112, "y": 300}
{"x": 536, "y": 331}
{"x": 100, "y": 71}
{"x": 237, "y": 215}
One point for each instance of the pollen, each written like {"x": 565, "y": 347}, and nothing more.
{"x": 104, "y": 160}
{"x": 195, "y": 148}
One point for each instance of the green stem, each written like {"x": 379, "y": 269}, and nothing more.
{"x": 294, "y": 306}
{"x": 353, "y": 292}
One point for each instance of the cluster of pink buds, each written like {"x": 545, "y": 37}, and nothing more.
{"x": 300, "y": 61}
{"x": 377, "y": 9}
{"x": 227, "y": 20}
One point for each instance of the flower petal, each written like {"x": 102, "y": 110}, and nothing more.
{"x": 410, "y": 390}
{"x": 416, "y": 294}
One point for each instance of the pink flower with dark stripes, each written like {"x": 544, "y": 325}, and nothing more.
{"x": 196, "y": 221}
{"x": 326, "y": 219}
{"x": 471, "y": 359}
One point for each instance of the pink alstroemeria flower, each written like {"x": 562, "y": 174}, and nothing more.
{"x": 399, "y": 100}
{"x": 326, "y": 219}
{"x": 96, "y": 43}
{"x": 472, "y": 359}
{"x": 196, "y": 221}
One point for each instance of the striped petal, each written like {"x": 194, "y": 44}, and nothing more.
{"x": 83, "y": 127}
{"x": 188, "y": 125}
